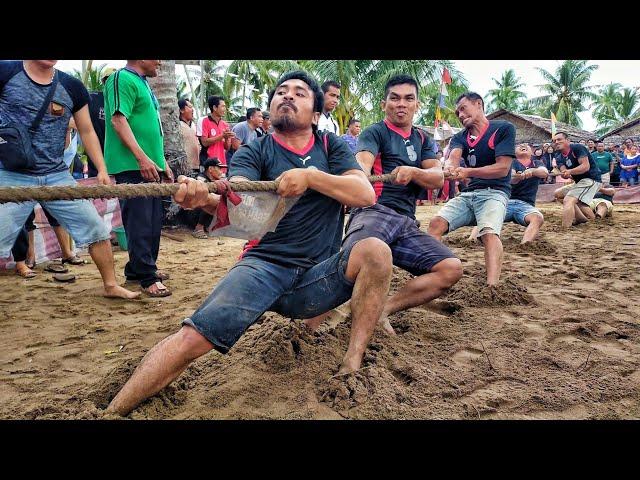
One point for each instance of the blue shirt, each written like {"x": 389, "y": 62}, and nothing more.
{"x": 577, "y": 151}
{"x": 393, "y": 148}
{"x": 351, "y": 141}
{"x": 20, "y": 101}
{"x": 499, "y": 139}
{"x": 526, "y": 190}
{"x": 306, "y": 234}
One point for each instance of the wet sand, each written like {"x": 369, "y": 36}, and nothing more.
{"x": 559, "y": 339}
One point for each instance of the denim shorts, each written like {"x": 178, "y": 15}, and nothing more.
{"x": 413, "y": 250}
{"x": 517, "y": 210}
{"x": 485, "y": 208}
{"x": 254, "y": 286}
{"x": 79, "y": 217}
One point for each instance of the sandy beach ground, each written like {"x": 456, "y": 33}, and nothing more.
{"x": 560, "y": 339}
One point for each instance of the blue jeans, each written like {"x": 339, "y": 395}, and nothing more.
{"x": 254, "y": 286}
{"x": 79, "y": 217}
{"x": 517, "y": 210}
{"x": 485, "y": 208}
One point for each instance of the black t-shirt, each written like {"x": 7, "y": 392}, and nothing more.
{"x": 499, "y": 139}
{"x": 306, "y": 234}
{"x": 577, "y": 151}
{"x": 394, "y": 148}
{"x": 96, "y": 112}
{"x": 527, "y": 189}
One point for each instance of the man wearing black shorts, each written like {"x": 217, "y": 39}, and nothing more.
{"x": 395, "y": 145}
{"x": 293, "y": 270}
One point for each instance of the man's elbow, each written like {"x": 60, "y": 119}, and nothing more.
{"x": 365, "y": 198}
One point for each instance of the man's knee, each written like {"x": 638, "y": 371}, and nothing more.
{"x": 191, "y": 343}
{"x": 449, "y": 270}
{"x": 371, "y": 252}
{"x": 534, "y": 219}
{"x": 569, "y": 201}
{"x": 438, "y": 226}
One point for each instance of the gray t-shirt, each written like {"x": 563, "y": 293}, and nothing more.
{"x": 20, "y": 101}
{"x": 244, "y": 133}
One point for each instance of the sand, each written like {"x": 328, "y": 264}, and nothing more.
{"x": 559, "y": 339}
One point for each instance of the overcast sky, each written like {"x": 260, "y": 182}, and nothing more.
{"x": 479, "y": 74}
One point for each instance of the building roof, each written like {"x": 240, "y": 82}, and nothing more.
{"x": 544, "y": 124}
{"x": 630, "y": 123}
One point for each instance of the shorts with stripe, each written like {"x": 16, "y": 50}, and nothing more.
{"x": 584, "y": 190}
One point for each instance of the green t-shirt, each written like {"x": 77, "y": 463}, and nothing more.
{"x": 603, "y": 160}
{"x": 129, "y": 93}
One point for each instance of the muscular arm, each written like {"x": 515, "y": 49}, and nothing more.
{"x": 608, "y": 191}
{"x": 351, "y": 188}
{"x": 123, "y": 130}
{"x": 497, "y": 170}
{"x": 582, "y": 168}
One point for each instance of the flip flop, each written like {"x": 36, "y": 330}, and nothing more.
{"x": 29, "y": 274}
{"x": 64, "y": 277}
{"x": 56, "y": 268}
{"x": 75, "y": 260}
{"x": 162, "y": 275}
{"x": 162, "y": 291}
{"x": 201, "y": 234}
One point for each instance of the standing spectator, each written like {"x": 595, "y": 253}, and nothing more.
{"x": 605, "y": 162}
{"x": 25, "y": 88}
{"x": 628, "y": 143}
{"x": 615, "y": 174}
{"x": 134, "y": 153}
{"x": 353, "y": 131}
{"x": 96, "y": 111}
{"x": 548, "y": 162}
{"x": 591, "y": 145}
{"x": 629, "y": 164}
{"x": 212, "y": 170}
{"x": 188, "y": 131}
{"x": 245, "y": 132}
{"x": 331, "y": 90}
{"x": 265, "y": 129}
{"x": 213, "y": 132}
{"x": 583, "y": 142}
{"x": 537, "y": 152}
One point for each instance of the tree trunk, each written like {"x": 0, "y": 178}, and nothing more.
{"x": 165, "y": 88}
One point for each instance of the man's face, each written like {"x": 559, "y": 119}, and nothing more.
{"x": 150, "y": 67}
{"x": 628, "y": 143}
{"x": 187, "y": 113}
{"x": 469, "y": 111}
{"x": 291, "y": 108}
{"x": 560, "y": 142}
{"x": 266, "y": 123}
{"x": 523, "y": 150}
{"x": 401, "y": 104}
{"x": 331, "y": 99}
{"x": 600, "y": 147}
{"x": 354, "y": 129}
{"x": 214, "y": 173}
{"x": 46, "y": 63}
{"x": 591, "y": 144}
{"x": 256, "y": 119}
{"x": 221, "y": 109}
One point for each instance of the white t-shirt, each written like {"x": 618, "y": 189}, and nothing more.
{"x": 327, "y": 124}
{"x": 199, "y": 126}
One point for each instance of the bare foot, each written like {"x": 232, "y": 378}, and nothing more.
{"x": 386, "y": 325}
{"x": 116, "y": 291}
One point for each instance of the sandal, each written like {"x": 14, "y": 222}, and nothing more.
{"x": 201, "y": 234}
{"x": 56, "y": 268}
{"x": 31, "y": 264}
{"x": 75, "y": 260}
{"x": 162, "y": 275}
{"x": 26, "y": 273}
{"x": 161, "y": 291}
{"x": 64, "y": 277}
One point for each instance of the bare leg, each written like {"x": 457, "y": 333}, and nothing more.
{"x": 602, "y": 211}
{"x": 568, "y": 211}
{"x": 422, "y": 289}
{"x": 534, "y": 222}
{"x": 22, "y": 269}
{"x": 580, "y": 218}
{"x": 492, "y": 257}
{"x": 370, "y": 265}
{"x": 159, "y": 367}
{"x": 438, "y": 226}
{"x": 586, "y": 211}
{"x": 64, "y": 241}
{"x": 103, "y": 258}
{"x": 474, "y": 233}
{"x": 31, "y": 252}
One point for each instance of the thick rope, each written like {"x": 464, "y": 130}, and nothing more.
{"x": 124, "y": 190}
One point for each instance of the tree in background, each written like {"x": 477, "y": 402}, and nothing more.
{"x": 507, "y": 93}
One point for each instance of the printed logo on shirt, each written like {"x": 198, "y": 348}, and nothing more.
{"x": 56, "y": 109}
{"x": 101, "y": 114}
{"x": 411, "y": 152}
{"x": 304, "y": 160}
{"x": 568, "y": 162}
{"x": 2, "y": 141}
{"x": 213, "y": 132}
{"x": 471, "y": 159}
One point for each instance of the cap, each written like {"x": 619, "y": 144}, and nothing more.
{"x": 106, "y": 72}
{"x": 213, "y": 162}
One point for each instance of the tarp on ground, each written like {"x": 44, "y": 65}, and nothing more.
{"x": 622, "y": 195}
{"x": 46, "y": 244}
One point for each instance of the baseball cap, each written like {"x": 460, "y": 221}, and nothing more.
{"x": 213, "y": 162}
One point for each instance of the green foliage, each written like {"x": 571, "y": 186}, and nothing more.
{"x": 615, "y": 106}
{"x": 507, "y": 93}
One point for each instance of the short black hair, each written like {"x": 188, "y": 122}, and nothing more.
{"x": 330, "y": 83}
{"x": 471, "y": 96}
{"x": 592, "y": 140}
{"x": 318, "y": 100}
{"x": 564, "y": 134}
{"x": 352, "y": 121}
{"x": 182, "y": 103}
{"x": 212, "y": 162}
{"x": 265, "y": 115}
{"x": 399, "y": 80}
{"x": 251, "y": 111}
{"x": 214, "y": 101}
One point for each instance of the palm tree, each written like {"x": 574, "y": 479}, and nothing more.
{"x": 429, "y": 100}
{"x": 615, "y": 106}
{"x": 92, "y": 78}
{"x": 506, "y": 94}
{"x": 566, "y": 91}
{"x": 164, "y": 87}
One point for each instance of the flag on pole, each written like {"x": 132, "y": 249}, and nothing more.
{"x": 553, "y": 125}
{"x": 446, "y": 78}
{"x": 441, "y": 101}
{"x": 443, "y": 90}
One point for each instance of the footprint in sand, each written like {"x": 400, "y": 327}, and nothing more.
{"x": 534, "y": 330}
{"x": 466, "y": 356}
